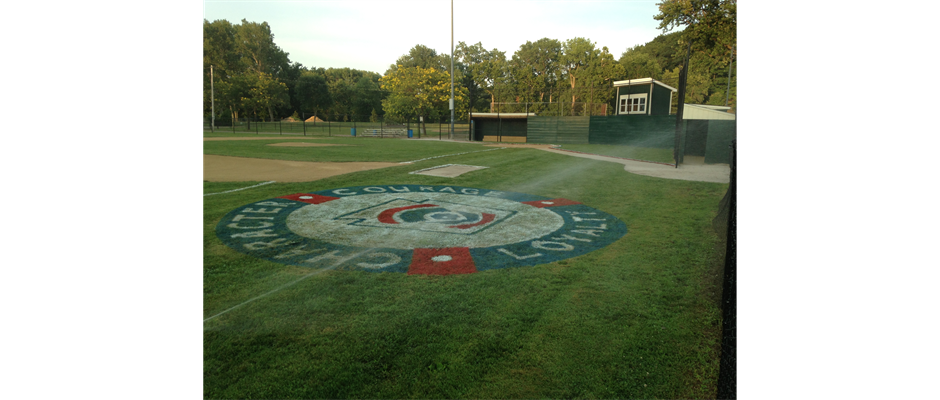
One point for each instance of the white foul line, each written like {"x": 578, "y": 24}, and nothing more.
{"x": 235, "y": 190}
{"x": 336, "y": 264}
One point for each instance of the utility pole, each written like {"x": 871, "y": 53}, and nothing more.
{"x": 212, "y": 89}
{"x": 451, "y": 136}
{"x": 683, "y": 76}
{"x": 728, "y": 91}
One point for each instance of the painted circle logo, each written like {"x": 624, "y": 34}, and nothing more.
{"x": 437, "y": 230}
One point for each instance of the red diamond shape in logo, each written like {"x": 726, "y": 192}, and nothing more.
{"x": 308, "y": 198}
{"x": 550, "y": 203}
{"x": 446, "y": 261}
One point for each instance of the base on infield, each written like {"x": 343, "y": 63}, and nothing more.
{"x": 448, "y": 170}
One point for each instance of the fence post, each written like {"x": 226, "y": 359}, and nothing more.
{"x": 279, "y": 131}
{"x": 329, "y": 129}
{"x": 305, "y": 127}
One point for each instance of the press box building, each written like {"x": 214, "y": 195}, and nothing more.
{"x": 644, "y": 96}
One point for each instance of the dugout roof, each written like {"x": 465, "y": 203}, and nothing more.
{"x": 503, "y": 115}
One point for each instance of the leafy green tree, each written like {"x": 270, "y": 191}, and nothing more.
{"x": 311, "y": 92}
{"x": 218, "y": 53}
{"x": 265, "y": 92}
{"x": 576, "y": 55}
{"x": 466, "y": 57}
{"x": 696, "y": 86}
{"x": 255, "y": 44}
{"x": 640, "y": 64}
{"x": 535, "y": 69}
{"x": 711, "y": 25}
{"x": 418, "y": 91}
{"x": 487, "y": 69}
{"x": 245, "y": 63}
{"x": 367, "y": 96}
{"x": 599, "y": 77}
{"x": 420, "y": 56}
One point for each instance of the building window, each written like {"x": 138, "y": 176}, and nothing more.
{"x": 633, "y": 104}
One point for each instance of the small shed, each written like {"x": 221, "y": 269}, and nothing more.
{"x": 644, "y": 96}
{"x": 500, "y": 127}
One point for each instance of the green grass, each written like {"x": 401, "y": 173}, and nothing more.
{"x": 637, "y": 319}
{"x": 353, "y": 149}
{"x": 634, "y": 152}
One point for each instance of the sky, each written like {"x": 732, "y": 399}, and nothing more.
{"x": 370, "y": 35}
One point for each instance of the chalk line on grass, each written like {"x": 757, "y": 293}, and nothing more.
{"x": 448, "y": 155}
{"x": 235, "y": 190}
{"x": 291, "y": 283}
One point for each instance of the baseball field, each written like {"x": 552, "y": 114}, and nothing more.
{"x": 336, "y": 268}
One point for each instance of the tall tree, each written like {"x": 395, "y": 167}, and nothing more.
{"x": 487, "y": 69}
{"x": 601, "y": 72}
{"x": 311, "y": 92}
{"x": 640, "y": 64}
{"x": 576, "y": 55}
{"x": 711, "y": 25}
{"x": 417, "y": 91}
{"x": 466, "y": 58}
{"x": 420, "y": 56}
{"x": 535, "y": 69}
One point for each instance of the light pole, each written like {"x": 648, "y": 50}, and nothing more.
{"x": 451, "y": 136}
{"x": 212, "y": 89}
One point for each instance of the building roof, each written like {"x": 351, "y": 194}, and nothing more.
{"x": 643, "y": 81}
{"x": 702, "y": 111}
{"x": 502, "y": 115}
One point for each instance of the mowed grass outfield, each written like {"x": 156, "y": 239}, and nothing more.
{"x": 637, "y": 319}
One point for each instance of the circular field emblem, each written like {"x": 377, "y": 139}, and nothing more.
{"x": 436, "y": 230}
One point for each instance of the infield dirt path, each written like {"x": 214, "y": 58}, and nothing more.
{"x": 235, "y": 169}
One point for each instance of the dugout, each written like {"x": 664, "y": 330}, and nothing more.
{"x": 709, "y": 132}
{"x": 500, "y": 127}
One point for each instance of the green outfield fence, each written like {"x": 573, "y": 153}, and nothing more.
{"x": 705, "y": 140}
{"x": 431, "y": 127}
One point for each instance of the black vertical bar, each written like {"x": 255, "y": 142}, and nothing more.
{"x": 329, "y": 129}
{"x": 279, "y": 131}
{"x": 677, "y": 157}
{"x": 727, "y": 372}
{"x": 305, "y": 127}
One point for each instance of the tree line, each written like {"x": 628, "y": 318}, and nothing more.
{"x": 255, "y": 78}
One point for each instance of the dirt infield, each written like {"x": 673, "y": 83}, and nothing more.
{"x": 279, "y": 137}
{"x": 232, "y": 169}
{"x": 301, "y": 144}
{"x": 237, "y": 169}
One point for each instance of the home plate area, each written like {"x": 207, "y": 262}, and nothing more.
{"x": 447, "y": 170}
{"x": 415, "y": 229}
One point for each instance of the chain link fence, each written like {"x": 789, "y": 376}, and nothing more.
{"x": 348, "y": 125}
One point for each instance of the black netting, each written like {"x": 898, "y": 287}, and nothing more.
{"x": 727, "y": 218}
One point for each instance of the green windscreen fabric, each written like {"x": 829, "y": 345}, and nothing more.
{"x": 720, "y": 135}
{"x": 559, "y": 130}
{"x": 654, "y": 131}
